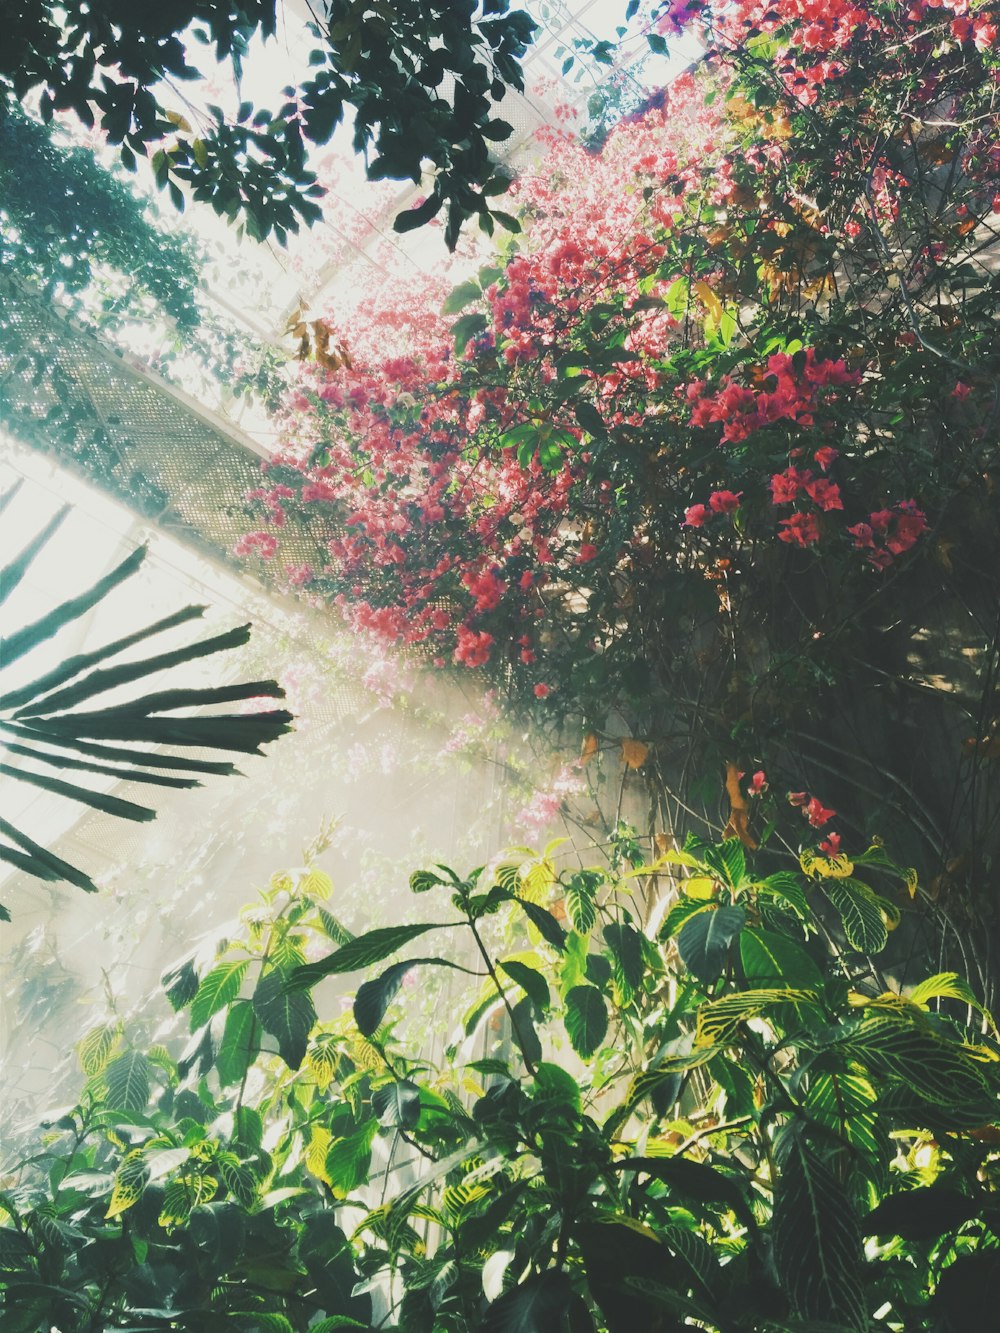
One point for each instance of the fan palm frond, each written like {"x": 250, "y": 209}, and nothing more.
{"x": 54, "y": 744}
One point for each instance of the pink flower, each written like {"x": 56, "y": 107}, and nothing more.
{"x": 542, "y": 691}
{"x": 724, "y": 502}
{"x": 587, "y": 551}
{"x": 960, "y": 390}
{"x": 758, "y": 783}
{"x": 473, "y": 646}
{"x": 830, "y": 846}
{"x": 800, "y": 530}
{"x": 695, "y": 516}
{"x": 798, "y": 797}
{"x": 817, "y": 814}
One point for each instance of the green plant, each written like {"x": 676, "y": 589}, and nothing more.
{"x": 108, "y": 64}
{"x": 671, "y": 1104}
{"x": 51, "y": 744}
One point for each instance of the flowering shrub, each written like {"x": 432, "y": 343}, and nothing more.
{"x": 705, "y": 446}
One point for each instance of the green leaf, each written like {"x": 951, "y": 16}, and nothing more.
{"x": 361, "y": 952}
{"x": 95, "y": 1049}
{"x": 24, "y": 640}
{"x": 537, "y": 1305}
{"x": 375, "y": 996}
{"x": 531, "y": 982}
{"x": 586, "y": 1019}
{"x": 771, "y": 960}
{"x": 12, "y": 573}
{"x": 844, "y": 1103}
{"x": 719, "y": 1019}
{"x": 127, "y": 1081}
{"x": 416, "y": 217}
{"x": 625, "y": 944}
{"x": 286, "y": 1013}
{"x": 728, "y": 860}
{"x": 934, "y": 1069}
{"x": 216, "y": 990}
{"x": 524, "y": 1029}
{"x": 457, "y": 300}
{"x": 864, "y": 924}
{"x": 397, "y": 1104}
{"x": 544, "y": 922}
{"x": 921, "y": 1214}
{"x": 130, "y": 1182}
{"x": 694, "y": 1180}
{"x": 348, "y": 1159}
{"x": 817, "y": 1239}
{"x": 466, "y": 328}
{"x": 581, "y": 904}
{"x": 239, "y": 1046}
{"x": 704, "y": 941}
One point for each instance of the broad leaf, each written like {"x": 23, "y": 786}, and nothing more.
{"x": 286, "y": 1013}
{"x": 220, "y": 986}
{"x": 771, "y": 960}
{"x": 531, "y": 982}
{"x": 704, "y": 941}
{"x": 535, "y": 1306}
{"x": 864, "y": 924}
{"x": 360, "y": 952}
{"x": 817, "y": 1239}
{"x": 586, "y": 1019}
{"x": 127, "y": 1081}
{"x": 239, "y": 1046}
{"x": 545, "y": 923}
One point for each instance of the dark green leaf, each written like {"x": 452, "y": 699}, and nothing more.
{"x": 127, "y": 1081}
{"x": 239, "y": 1046}
{"x": 704, "y": 941}
{"x": 531, "y": 982}
{"x": 286, "y": 1013}
{"x": 586, "y": 1019}
{"x": 12, "y": 574}
{"x": 361, "y": 952}
{"x": 220, "y": 986}
{"x": 537, "y": 1305}
{"x": 397, "y": 1104}
{"x": 920, "y": 1214}
{"x": 24, "y": 640}
{"x": 375, "y": 996}
{"x": 771, "y": 961}
{"x": 544, "y": 922}
{"x": 817, "y": 1240}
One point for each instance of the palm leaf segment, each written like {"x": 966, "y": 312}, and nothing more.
{"x": 42, "y": 722}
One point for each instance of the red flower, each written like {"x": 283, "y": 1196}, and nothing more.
{"x": 817, "y": 814}
{"x": 695, "y": 516}
{"x": 542, "y": 691}
{"x": 830, "y": 845}
{"x": 758, "y": 783}
{"x": 588, "y": 551}
{"x": 825, "y": 456}
{"x": 800, "y": 530}
{"x": 724, "y": 502}
{"x": 825, "y": 493}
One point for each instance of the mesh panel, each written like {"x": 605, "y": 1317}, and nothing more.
{"x": 66, "y": 393}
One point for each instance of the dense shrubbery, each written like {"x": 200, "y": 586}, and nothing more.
{"x": 659, "y": 1111}
{"x": 709, "y": 454}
